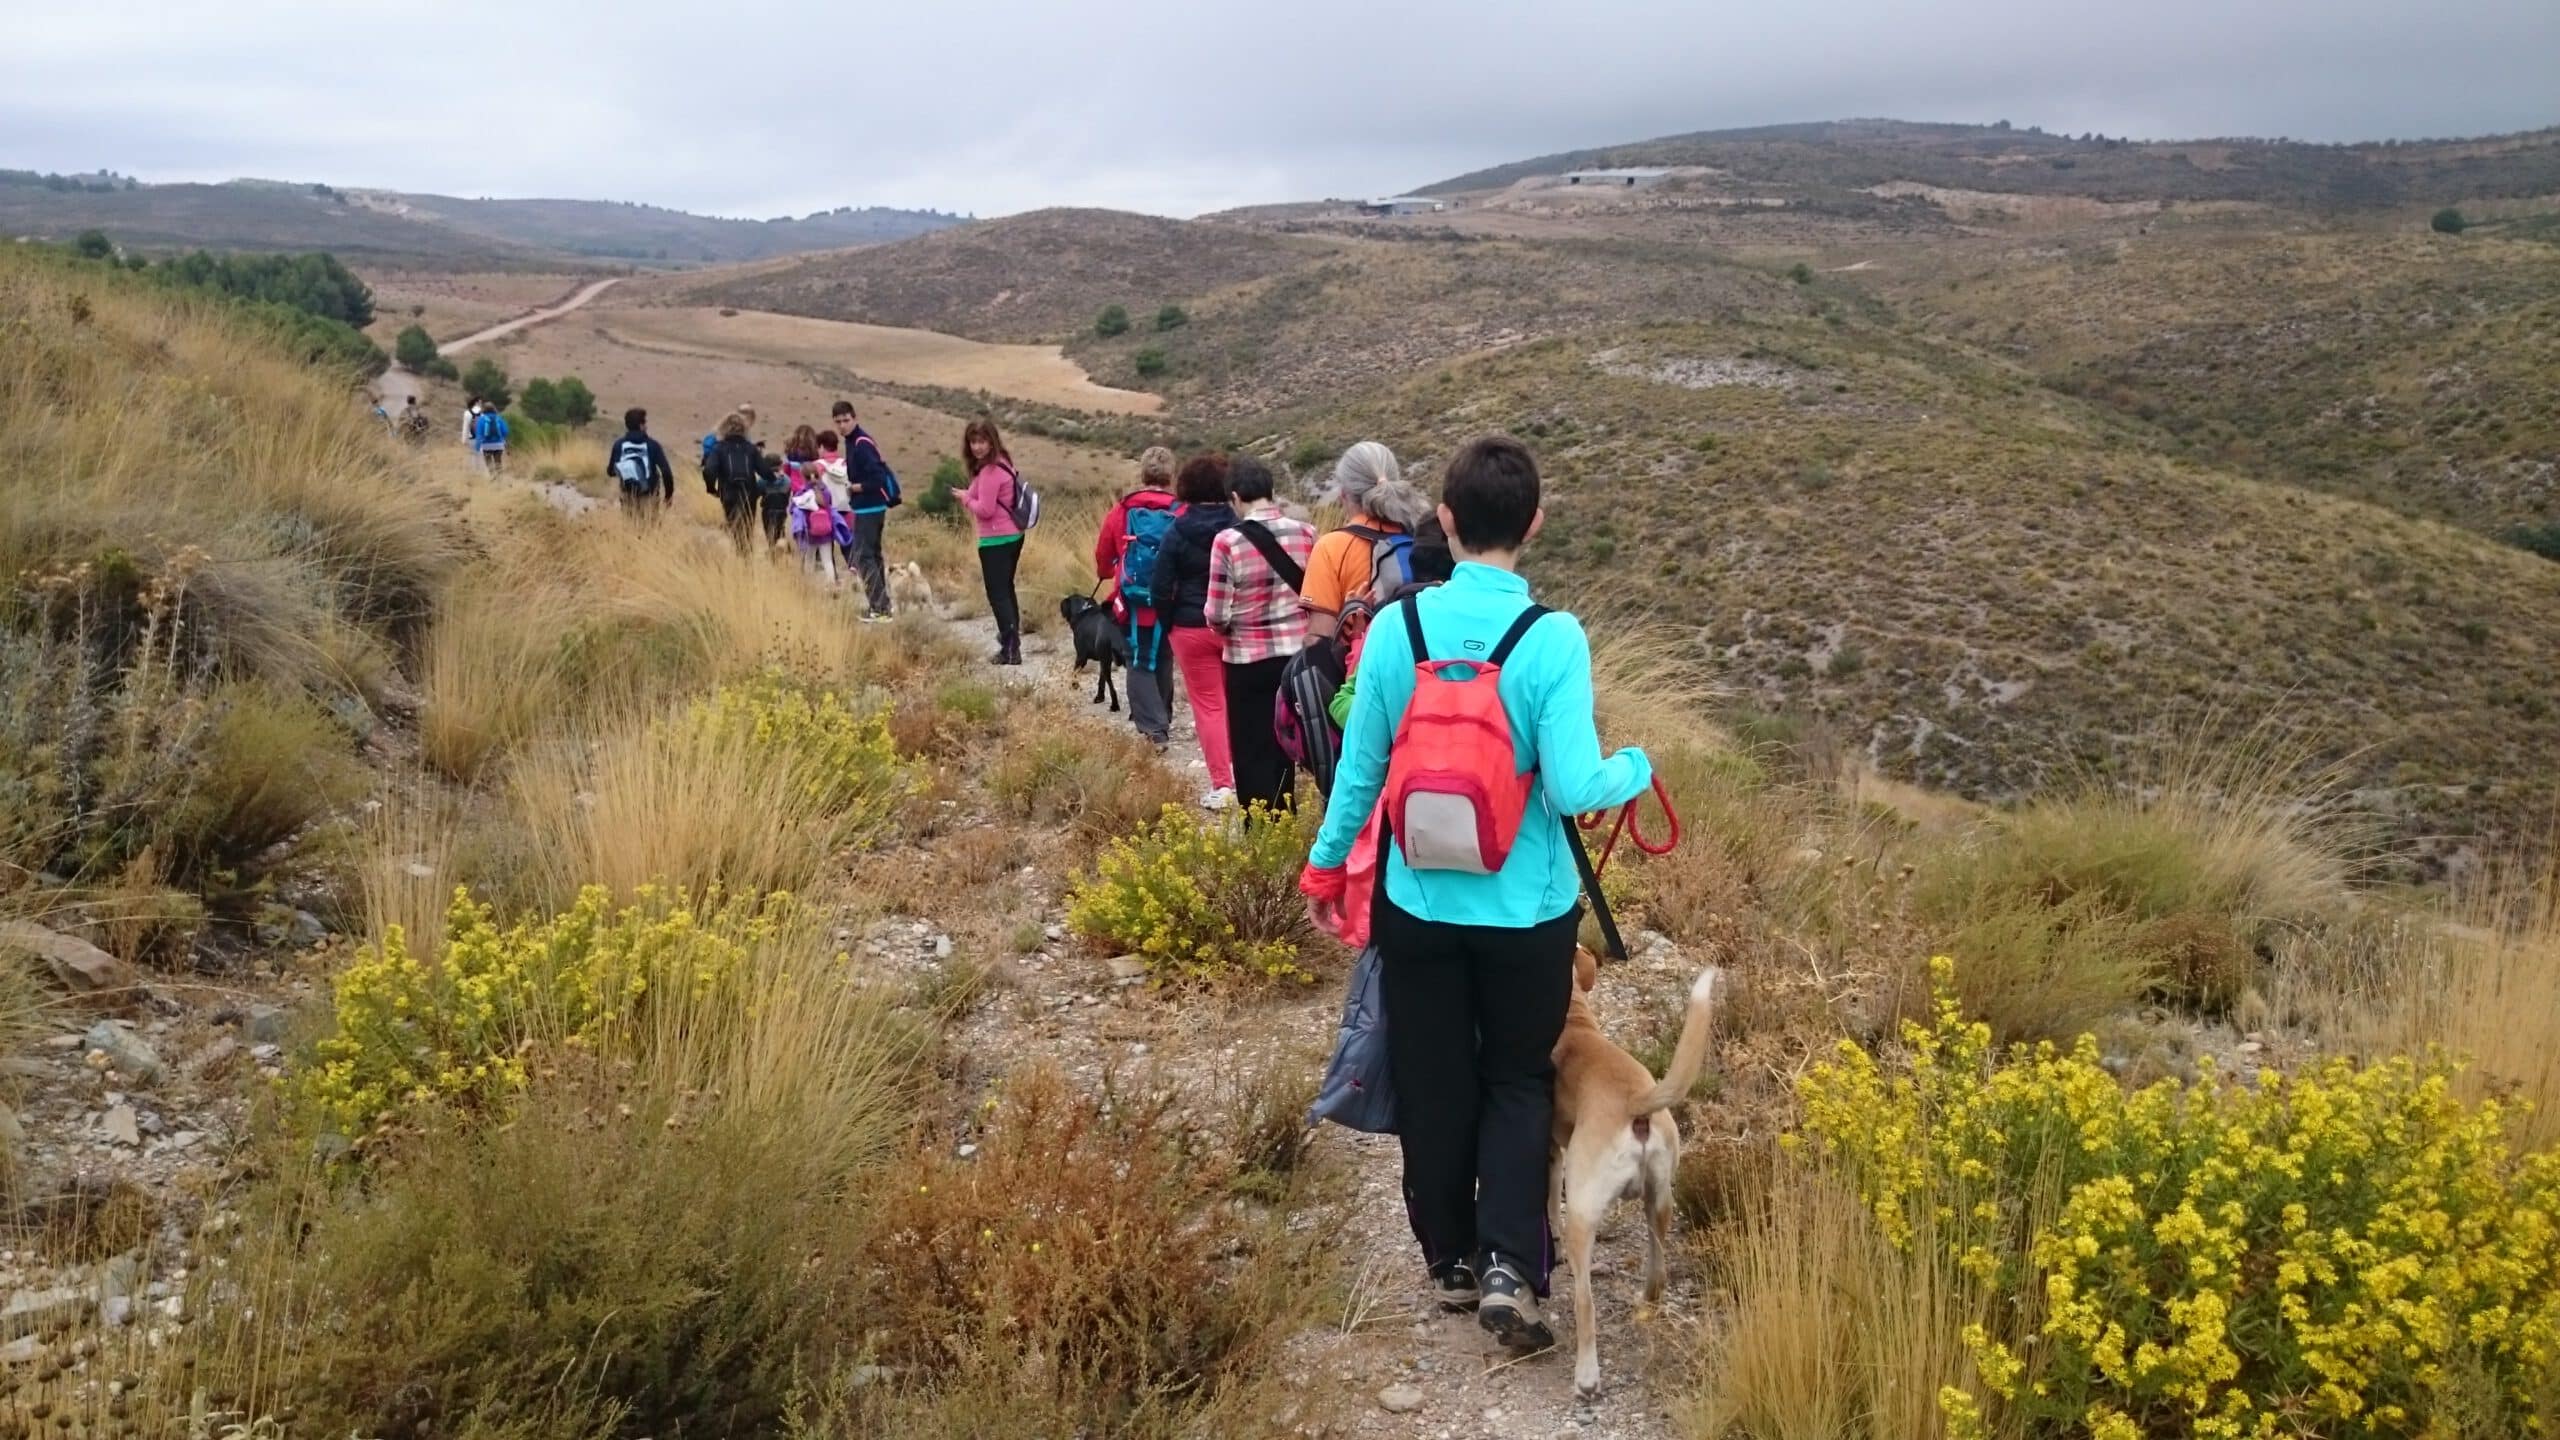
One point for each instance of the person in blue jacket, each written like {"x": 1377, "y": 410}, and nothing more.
{"x": 1476, "y": 969}
{"x": 874, "y": 489}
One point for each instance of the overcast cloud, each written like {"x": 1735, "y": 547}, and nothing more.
{"x": 1176, "y": 106}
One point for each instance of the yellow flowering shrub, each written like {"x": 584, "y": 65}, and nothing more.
{"x": 844, "y": 763}
{"x": 1202, "y": 899}
{"x": 2349, "y": 1252}
{"x": 456, "y": 1029}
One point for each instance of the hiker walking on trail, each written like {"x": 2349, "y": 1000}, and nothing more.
{"x": 733, "y": 471}
{"x": 1124, "y": 553}
{"x": 1380, "y": 512}
{"x": 994, "y": 491}
{"x": 1475, "y": 921}
{"x": 871, "y": 489}
{"x": 489, "y": 439}
{"x": 1181, "y": 591}
{"x": 774, "y": 492}
{"x": 1255, "y": 571}
{"x": 638, "y": 467}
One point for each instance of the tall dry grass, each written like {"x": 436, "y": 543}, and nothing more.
{"x": 1833, "y": 1333}
{"x": 149, "y": 424}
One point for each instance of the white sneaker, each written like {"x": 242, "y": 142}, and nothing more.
{"x": 1221, "y": 798}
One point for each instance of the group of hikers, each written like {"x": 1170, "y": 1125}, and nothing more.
{"x": 1447, "y": 718}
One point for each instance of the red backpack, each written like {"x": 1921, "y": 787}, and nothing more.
{"x": 1455, "y": 795}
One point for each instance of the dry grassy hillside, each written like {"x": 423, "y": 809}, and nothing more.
{"x": 2393, "y": 365}
{"x": 1988, "y": 588}
{"x": 1041, "y": 276}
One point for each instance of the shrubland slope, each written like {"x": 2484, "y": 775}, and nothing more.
{"x": 1992, "y": 589}
{"x": 1855, "y": 154}
{"x": 1040, "y": 276}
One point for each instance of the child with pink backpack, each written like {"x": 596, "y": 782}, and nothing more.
{"x": 1471, "y": 731}
{"x": 817, "y": 522}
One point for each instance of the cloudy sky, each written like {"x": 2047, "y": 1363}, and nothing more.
{"x": 1175, "y": 106}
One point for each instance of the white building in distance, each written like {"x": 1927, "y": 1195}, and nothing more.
{"x": 1403, "y": 205}
{"x": 1624, "y": 179}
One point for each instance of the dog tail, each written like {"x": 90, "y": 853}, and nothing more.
{"x": 1697, "y": 1030}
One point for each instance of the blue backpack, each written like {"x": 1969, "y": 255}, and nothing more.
{"x": 490, "y": 428}
{"x": 1149, "y": 530}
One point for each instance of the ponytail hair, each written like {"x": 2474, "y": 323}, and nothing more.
{"x": 1368, "y": 479}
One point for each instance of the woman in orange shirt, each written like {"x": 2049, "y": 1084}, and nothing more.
{"x": 1379, "y": 510}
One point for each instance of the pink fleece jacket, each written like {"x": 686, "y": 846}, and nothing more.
{"x": 990, "y": 501}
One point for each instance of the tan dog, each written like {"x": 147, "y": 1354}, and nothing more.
{"x": 908, "y": 587}
{"x": 1615, "y": 1138}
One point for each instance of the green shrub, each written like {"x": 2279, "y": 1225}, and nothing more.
{"x": 443, "y": 369}
{"x": 93, "y": 245}
{"x": 1801, "y": 273}
{"x": 1172, "y": 317}
{"x": 1202, "y": 899}
{"x": 938, "y": 499}
{"x": 577, "y": 402}
{"x": 270, "y": 761}
{"x": 2038, "y": 970}
{"x": 2348, "y": 1252}
{"x": 486, "y": 378}
{"x": 1311, "y": 455}
{"x": 540, "y": 401}
{"x": 2542, "y": 540}
{"x": 1150, "y": 362}
{"x": 415, "y": 349}
{"x": 1114, "y": 320}
{"x": 2449, "y": 221}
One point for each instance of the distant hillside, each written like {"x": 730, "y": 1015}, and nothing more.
{"x": 246, "y": 216}
{"x": 422, "y": 231}
{"x": 1041, "y": 276}
{"x": 1854, "y": 154}
{"x": 621, "y": 230}
{"x": 1977, "y": 584}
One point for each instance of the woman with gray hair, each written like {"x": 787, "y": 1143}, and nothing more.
{"x": 1380, "y": 512}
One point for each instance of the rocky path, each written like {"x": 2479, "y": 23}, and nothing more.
{"x": 1390, "y": 1366}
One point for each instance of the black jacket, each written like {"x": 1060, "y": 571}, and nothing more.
{"x": 733, "y": 468}
{"x": 1182, "y": 566}
{"x": 866, "y": 474}
{"x": 662, "y": 474}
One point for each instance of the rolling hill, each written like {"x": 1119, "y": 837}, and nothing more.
{"x": 1856, "y": 154}
{"x": 1040, "y": 276}
{"x": 425, "y": 231}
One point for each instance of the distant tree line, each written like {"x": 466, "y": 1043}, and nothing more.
{"x": 103, "y": 182}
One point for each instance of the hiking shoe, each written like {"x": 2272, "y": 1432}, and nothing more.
{"x": 877, "y": 617}
{"x": 1508, "y": 1309}
{"x": 1221, "y": 798}
{"x": 1454, "y": 1286}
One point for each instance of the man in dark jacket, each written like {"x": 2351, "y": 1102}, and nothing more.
{"x": 737, "y": 473}
{"x": 638, "y": 467}
{"x": 873, "y": 489}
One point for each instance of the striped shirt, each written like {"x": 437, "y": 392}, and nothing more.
{"x": 1249, "y": 603}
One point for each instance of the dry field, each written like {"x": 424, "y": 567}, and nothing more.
{"x": 1037, "y": 373}
{"x": 686, "y": 393}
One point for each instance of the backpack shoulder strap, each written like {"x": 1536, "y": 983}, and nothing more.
{"x": 1511, "y": 637}
{"x": 1291, "y": 573}
{"x": 1413, "y": 630}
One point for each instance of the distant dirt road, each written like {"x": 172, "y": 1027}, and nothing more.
{"x": 521, "y": 322}
{"x": 395, "y": 387}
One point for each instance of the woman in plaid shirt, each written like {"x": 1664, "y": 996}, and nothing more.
{"x": 1255, "y": 573}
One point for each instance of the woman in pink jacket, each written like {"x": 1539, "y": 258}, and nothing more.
{"x": 990, "y": 497}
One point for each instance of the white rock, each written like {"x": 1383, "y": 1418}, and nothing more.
{"x": 1400, "y": 1399}
{"x": 941, "y": 947}
{"x": 76, "y": 965}
{"x": 120, "y": 1126}
{"x": 1126, "y": 967}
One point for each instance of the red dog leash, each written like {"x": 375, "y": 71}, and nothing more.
{"x": 1631, "y": 825}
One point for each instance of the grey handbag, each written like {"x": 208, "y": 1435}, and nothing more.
{"x": 1358, "y": 1092}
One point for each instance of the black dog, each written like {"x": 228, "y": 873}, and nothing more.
{"x": 1098, "y": 640}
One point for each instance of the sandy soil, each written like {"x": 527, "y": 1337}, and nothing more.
{"x": 1039, "y": 373}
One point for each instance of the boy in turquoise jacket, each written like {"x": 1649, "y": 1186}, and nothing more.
{"x": 1476, "y": 969}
